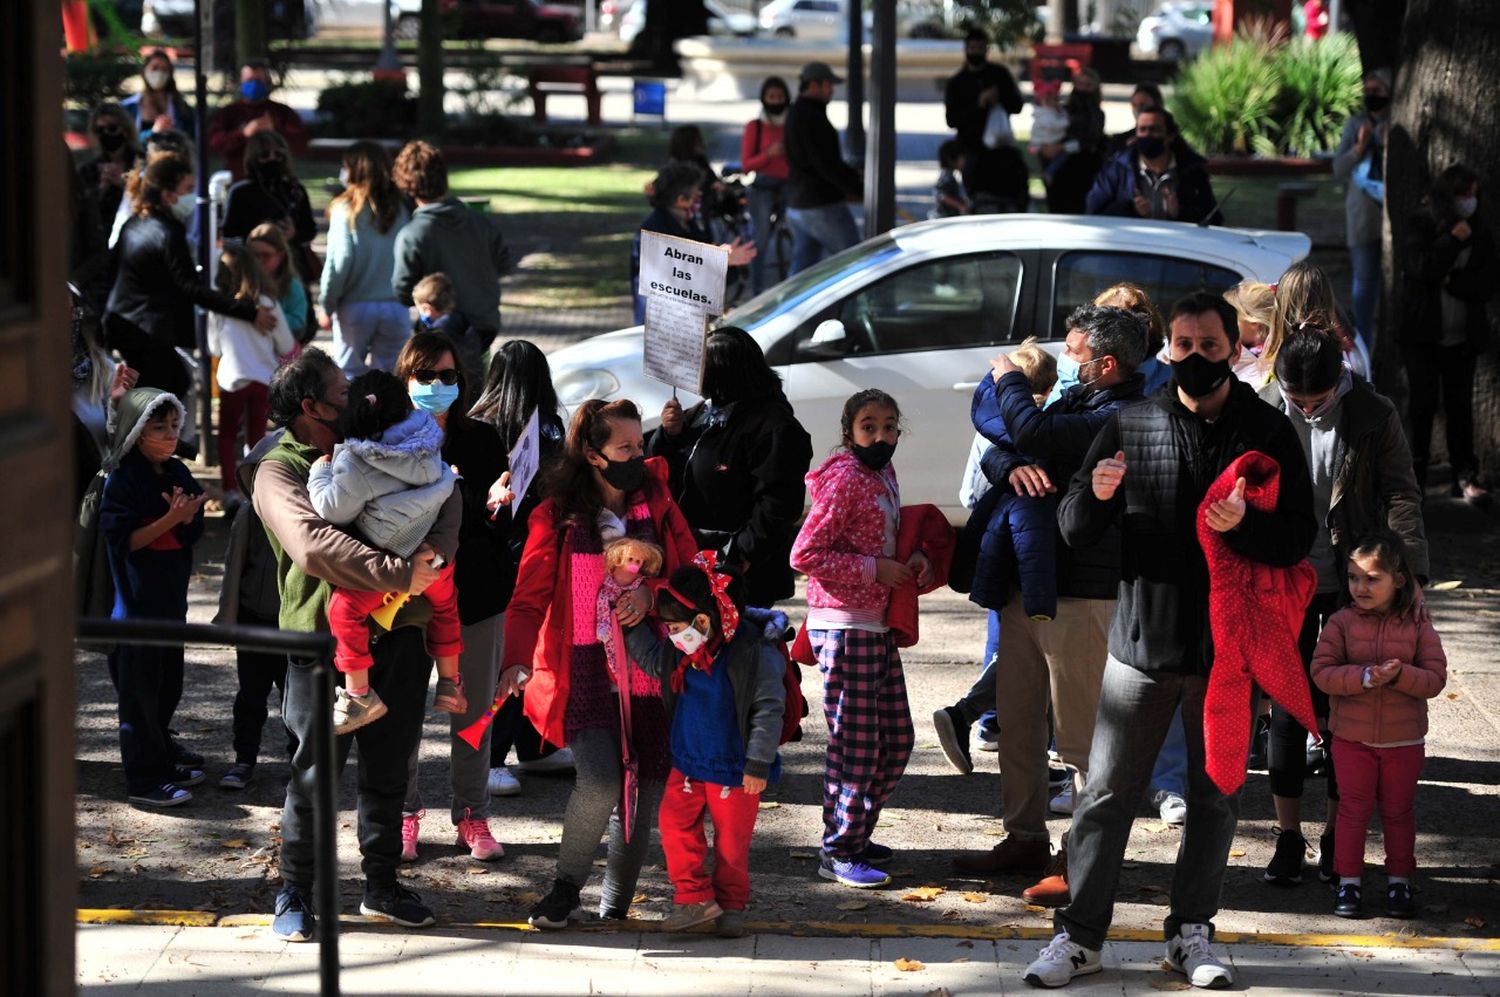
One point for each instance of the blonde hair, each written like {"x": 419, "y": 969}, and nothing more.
{"x": 617, "y": 552}
{"x": 1253, "y": 301}
{"x": 1039, "y": 366}
{"x": 241, "y": 275}
{"x": 271, "y": 234}
{"x": 436, "y": 290}
{"x": 1303, "y": 294}
{"x": 1133, "y": 298}
{"x": 369, "y": 183}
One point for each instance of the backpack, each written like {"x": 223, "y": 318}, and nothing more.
{"x": 93, "y": 587}
{"x": 794, "y": 708}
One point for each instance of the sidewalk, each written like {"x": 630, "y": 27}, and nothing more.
{"x": 244, "y": 959}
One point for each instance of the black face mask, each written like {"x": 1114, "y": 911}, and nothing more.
{"x": 875, "y": 456}
{"x": 975, "y": 61}
{"x": 110, "y": 141}
{"x": 1200, "y": 376}
{"x": 1150, "y": 146}
{"x": 774, "y": 108}
{"x": 1376, "y": 102}
{"x": 626, "y": 475}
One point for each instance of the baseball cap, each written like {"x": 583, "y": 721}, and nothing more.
{"x": 819, "y": 72}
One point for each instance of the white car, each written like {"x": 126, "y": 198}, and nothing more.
{"x": 1177, "y": 31}
{"x": 721, "y": 21}
{"x": 920, "y": 311}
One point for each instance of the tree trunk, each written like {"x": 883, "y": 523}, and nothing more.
{"x": 250, "y": 30}
{"x": 430, "y": 88}
{"x": 1446, "y": 111}
{"x": 667, "y": 21}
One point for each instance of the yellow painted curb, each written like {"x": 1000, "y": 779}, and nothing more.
{"x": 832, "y": 929}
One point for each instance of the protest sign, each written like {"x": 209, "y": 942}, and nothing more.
{"x": 683, "y": 284}
{"x": 525, "y": 458}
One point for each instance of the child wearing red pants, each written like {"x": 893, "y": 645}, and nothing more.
{"x": 722, "y": 678}
{"x": 1379, "y": 660}
{"x": 389, "y": 480}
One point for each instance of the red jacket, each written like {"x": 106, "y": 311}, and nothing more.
{"x": 226, "y": 134}
{"x": 1354, "y": 640}
{"x": 539, "y": 619}
{"x": 924, "y": 528}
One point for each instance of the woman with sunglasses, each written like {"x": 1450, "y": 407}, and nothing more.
{"x": 484, "y": 577}
{"x": 113, "y": 133}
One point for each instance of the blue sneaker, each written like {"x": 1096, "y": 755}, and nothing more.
{"x": 876, "y": 854}
{"x": 856, "y": 873}
{"x": 294, "y": 920}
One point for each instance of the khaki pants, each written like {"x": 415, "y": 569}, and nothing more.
{"x": 1062, "y": 660}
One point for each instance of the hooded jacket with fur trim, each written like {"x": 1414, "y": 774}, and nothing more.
{"x": 391, "y": 489}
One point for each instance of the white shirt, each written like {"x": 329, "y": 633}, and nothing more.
{"x": 247, "y": 355}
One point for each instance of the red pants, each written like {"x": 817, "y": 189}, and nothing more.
{"x": 1383, "y": 777}
{"x": 349, "y": 613}
{"x": 248, "y": 407}
{"x": 680, "y": 821}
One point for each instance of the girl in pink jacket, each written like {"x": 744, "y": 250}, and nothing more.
{"x": 1380, "y": 661}
{"x": 847, "y": 550}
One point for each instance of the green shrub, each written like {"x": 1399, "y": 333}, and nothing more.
{"x": 1264, "y": 96}
{"x": 91, "y": 78}
{"x": 369, "y": 109}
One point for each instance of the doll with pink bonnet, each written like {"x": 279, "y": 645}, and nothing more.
{"x": 627, "y": 563}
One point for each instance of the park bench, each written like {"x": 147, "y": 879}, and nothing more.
{"x": 547, "y": 80}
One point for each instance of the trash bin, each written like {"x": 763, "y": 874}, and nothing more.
{"x": 649, "y": 99}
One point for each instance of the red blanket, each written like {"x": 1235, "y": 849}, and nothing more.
{"x": 1255, "y": 611}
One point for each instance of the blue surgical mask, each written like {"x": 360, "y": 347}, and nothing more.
{"x": 1069, "y": 373}
{"x": 435, "y": 398}
{"x": 433, "y": 321}
{"x": 255, "y": 91}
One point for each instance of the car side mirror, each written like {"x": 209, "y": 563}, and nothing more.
{"x": 829, "y": 339}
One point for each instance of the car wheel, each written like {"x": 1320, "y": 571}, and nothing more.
{"x": 408, "y": 27}
{"x": 785, "y": 33}
{"x": 1172, "y": 50}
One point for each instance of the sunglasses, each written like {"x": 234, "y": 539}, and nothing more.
{"x": 447, "y": 376}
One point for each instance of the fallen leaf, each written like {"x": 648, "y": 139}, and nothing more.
{"x": 1447, "y": 586}
{"x": 1474, "y": 922}
{"x": 1237, "y": 853}
{"x": 1452, "y": 695}
{"x": 975, "y": 898}
{"x": 112, "y": 839}
{"x": 994, "y": 832}
{"x": 478, "y": 870}
{"x": 639, "y": 898}
{"x": 528, "y": 898}
{"x": 924, "y": 894}
{"x": 1154, "y": 827}
{"x": 406, "y": 872}
{"x": 98, "y": 870}
{"x": 1036, "y": 908}
{"x": 854, "y": 905}
{"x": 232, "y": 843}
{"x": 769, "y": 805}
{"x": 910, "y": 965}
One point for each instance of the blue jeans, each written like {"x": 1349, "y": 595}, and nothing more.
{"x": 979, "y": 702}
{"x": 819, "y": 232}
{"x": 1365, "y": 293}
{"x": 1170, "y": 773}
{"x": 368, "y": 335}
{"x": 763, "y": 195}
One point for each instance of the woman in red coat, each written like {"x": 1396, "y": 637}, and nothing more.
{"x": 603, "y": 488}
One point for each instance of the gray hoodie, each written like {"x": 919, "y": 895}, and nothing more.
{"x": 447, "y": 237}
{"x": 391, "y": 489}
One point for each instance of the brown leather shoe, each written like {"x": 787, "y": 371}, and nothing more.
{"x": 1011, "y": 855}
{"x": 1052, "y": 891}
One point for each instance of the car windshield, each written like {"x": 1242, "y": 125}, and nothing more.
{"x": 798, "y": 287}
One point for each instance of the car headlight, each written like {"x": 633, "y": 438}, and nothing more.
{"x": 578, "y": 386}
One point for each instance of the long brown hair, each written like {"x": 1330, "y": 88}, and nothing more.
{"x": 369, "y": 182}
{"x": 1133, "y": 298}
{"x": 270, "y": 233}
{"x": 241, "y": 275}
{"x": 422, "y": 352}
{"x": 571, "y": 484}
{"x": 1303, "y": 294}
{"x": 163, "y": 172}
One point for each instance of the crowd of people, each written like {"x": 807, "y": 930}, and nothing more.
{"x": 626, "y": 615}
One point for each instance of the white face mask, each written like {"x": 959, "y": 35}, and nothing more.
{"x": 1466, "y": 206}
{"x": 688, "y": 640}
{"x": 184, "y": 207}
{"x": 157, "y": 79}
{"x": 343, "y": 176}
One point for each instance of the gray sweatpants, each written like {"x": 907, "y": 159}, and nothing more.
{"x": 469, "y": 768}
{"x": 1135, "y": 710}
{"x": 592, "y": 810}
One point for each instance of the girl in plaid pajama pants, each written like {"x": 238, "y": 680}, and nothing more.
{"x": 846, "y": 548}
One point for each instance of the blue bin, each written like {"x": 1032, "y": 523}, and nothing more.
{"x": 650, "y": 98}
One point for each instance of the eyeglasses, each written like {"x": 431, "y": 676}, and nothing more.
{"x": 448, "y": 375}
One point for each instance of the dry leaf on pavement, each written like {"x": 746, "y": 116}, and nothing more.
{"x": 975, "y": 898}
{"x": 910, "y": 965}
{"x": 1154, "y": 827}
{"x": 232, "y": 843}
{"x": 1474, "y": 922}
{"x": 1237, "y": 853}
{"x": 924, "y": 894}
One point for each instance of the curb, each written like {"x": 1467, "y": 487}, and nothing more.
{"x": 826, "y": 929}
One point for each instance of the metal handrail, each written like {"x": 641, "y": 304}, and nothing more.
{"x": 267, "y": 640}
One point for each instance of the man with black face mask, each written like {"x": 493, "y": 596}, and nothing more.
{"x": 1157, "y": 177}
{"x": 1147, "y": 474}
{"x": 1362, "y": 148}
{"x": 307, "y": 398}
{"x": 996, "y": 178}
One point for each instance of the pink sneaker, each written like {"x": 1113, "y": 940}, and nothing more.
{"x": 474, "y": 834}
{"x": 411, "y": 825}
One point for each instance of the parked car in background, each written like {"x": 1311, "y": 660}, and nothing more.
{"x": 364, "y": 17}
{"x": 285, "y": 19}
{"x": 1177, "y": 31}
{"x": 722, "y": 21}
{"x": 805, "y": 20}
{"x": 529, "y": 19}
{"x": 920, "y": 311}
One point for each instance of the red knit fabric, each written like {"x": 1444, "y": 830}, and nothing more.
{"x": 1255, "y": 611}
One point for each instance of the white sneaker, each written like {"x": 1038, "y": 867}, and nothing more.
{"x": 1062, "y": 803}
{"x": 560, "y": 760}
{"x": 1173, "y": 808}
{"x": 1061, "y": 961}
{"x": 1190, "y": 954}
{"x": 502, "y": 783}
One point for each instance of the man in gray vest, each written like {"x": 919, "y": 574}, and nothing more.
{"x": 1148, "y": 472}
